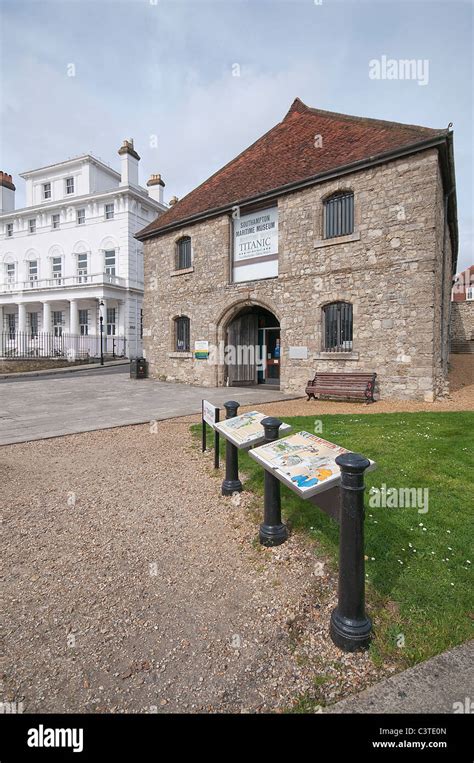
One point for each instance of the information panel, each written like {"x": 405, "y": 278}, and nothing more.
{"x": 246, "y": 430}
{"x": 303, "y": 461}
{"x": 201, "y": 349}
{"x": 255, "y": 245}
{"x": 209, "y": 412}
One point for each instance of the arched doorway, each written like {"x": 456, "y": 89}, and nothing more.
{"x": 252, "y": 353}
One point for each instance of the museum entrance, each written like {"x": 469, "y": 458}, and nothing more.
{"x": 253, "y": 348}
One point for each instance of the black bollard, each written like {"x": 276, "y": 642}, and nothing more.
{"x": 231, "y": 483}
{"x": 350, "y": 627}
{"x": 272, "y": 531}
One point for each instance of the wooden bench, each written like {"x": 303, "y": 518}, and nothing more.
{"x": 348, "y": 385}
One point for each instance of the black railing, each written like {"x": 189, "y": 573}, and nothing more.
{"x": 42, "y": 344}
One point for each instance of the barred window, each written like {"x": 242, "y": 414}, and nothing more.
{"x": 338, "y": 327}
{"x": 182, "y": 333}
{"x": 339, "y": 215}
{"x": 183, "y": 253}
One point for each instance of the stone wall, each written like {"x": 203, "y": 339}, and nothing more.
{"x": 389, "y": 269}
{"x": 17, "y": 365}
{"x": 443, "y": 272}
{"x": 462, "y": 321}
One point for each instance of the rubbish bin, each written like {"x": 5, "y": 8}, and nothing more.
{"x": 138, "y": 368}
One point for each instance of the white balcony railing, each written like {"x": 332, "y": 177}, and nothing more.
{"x": 92, "y": 279}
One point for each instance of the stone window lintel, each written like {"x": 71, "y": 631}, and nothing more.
{"x": 337, "y": 240}
{"x": 181, "y": 355}
{"x": 336, "y": 356}
{"x": 182, "y": 272}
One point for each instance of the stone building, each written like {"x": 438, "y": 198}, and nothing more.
{"x": 329, "y": 244}
{"x": 462, "y": 312}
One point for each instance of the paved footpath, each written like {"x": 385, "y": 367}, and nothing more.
{"x": 444, "y": 684}
{"x": 37, "y": 407}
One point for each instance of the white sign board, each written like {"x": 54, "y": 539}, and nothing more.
{"x": 209, "y": 412}
{"x": 246, "y": 430}
{"x": 201, "y": 349}
{"x": 298, "y": 352}
{"x": 303, "y": 461}
{"x": 255, "y": 245}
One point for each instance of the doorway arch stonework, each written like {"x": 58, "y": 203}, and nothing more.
{"x": 227, "y": 315}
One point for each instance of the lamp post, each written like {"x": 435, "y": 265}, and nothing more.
{"x": 101, "y": 321}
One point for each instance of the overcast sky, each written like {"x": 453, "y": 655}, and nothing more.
{"x": 161, "y": 71}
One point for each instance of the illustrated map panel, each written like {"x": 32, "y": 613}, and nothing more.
{"x": 303, "y": 461}
{"x": 246, "y": 430}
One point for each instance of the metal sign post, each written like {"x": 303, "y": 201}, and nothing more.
{"x": 241, "y": 433}
{"x": 332, "y": 479}
{"x": 272, "y": 531}
{"x": 203, "y": 423}
{"x": 216, "y": 441}
{"x": 231, "y": 483}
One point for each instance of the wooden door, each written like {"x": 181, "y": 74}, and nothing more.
{"x": 242, "y": 335}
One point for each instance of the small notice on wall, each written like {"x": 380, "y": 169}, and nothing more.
{"x": 201, "y": 349}
{"x": 298, "y": 352}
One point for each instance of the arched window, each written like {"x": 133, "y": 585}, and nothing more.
{"x": 183, "y": 253}
{"x": 182, "y": 333}
{"x": 337, "y": 327}
{"x": 339, "y": 214}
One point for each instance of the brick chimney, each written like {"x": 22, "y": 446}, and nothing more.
{"x": 155, "y": 187}
{"x": 7, "y": 192}
{"x": 129, "y": 166}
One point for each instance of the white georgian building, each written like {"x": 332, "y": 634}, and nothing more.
{"x": 71, "y": 248}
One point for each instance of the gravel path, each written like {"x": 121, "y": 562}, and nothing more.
{"x": 129, "y": 590}
{"x": 133, "y": 586}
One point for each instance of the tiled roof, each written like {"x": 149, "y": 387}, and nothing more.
{"x": 289, "y": 153}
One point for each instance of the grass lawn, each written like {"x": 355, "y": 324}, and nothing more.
{"x": 419, "y": 571}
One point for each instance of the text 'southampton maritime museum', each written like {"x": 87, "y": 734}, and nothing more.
{"x": 328, "y": 245}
